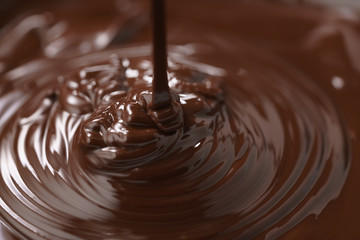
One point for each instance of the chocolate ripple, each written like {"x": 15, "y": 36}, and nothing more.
{"x": 260, "y": 147}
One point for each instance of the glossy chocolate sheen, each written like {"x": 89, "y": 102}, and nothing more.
{"x": 260, "y": 141}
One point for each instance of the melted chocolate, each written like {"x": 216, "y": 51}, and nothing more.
{"x": 260, "y": 140}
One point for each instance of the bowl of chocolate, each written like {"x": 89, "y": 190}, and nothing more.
{"x": 186, "y": 119}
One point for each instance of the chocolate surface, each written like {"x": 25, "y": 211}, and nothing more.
{"x": 260, "y": 141}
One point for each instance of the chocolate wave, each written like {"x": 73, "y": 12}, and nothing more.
{"x": 256, "y": 153}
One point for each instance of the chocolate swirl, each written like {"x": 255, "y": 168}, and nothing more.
{"x": 92, "y": 161}
{"x": 249, "y": 147}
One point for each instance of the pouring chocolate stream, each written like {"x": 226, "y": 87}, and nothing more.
{"x": 161, "y": 93}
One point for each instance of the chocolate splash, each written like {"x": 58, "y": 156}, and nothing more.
{"x": 267, "y": 141}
